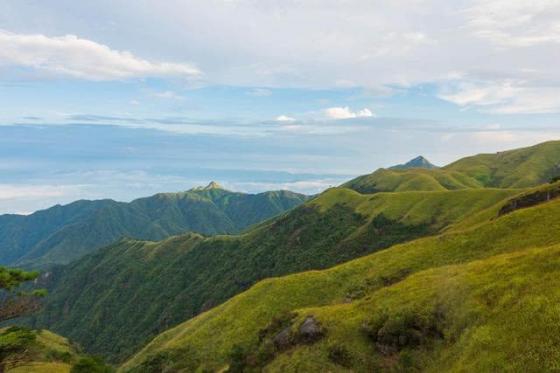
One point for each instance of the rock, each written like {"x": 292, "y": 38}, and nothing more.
{"x": 310, "y": 330}
{"x": 282, "y": 340}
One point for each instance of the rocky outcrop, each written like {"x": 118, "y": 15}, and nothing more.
{"x": 310, "y": 330}
{"x": 530, "y": 199}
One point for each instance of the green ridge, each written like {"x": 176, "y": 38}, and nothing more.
{"x": 64, "y": 233}
{"x": 519, "y": 168}
{"x": 466, "y": 300}
{"x": 115, "y": 300}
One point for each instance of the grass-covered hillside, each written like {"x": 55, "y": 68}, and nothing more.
{"x": 61, "y": 234}
{"x": 476, "y": 298}
{"x": 519, "y": 168}
{"x": 405, "y": 180}
{"x": 116, "y": 299}
{"x": 25, "y": 350}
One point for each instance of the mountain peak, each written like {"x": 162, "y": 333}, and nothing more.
{"x": 211, "y": 186}
{"x": 418, "y": 162}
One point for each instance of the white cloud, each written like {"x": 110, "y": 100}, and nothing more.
{"x": 312, "y": 186}
{"x": 168, "y": 95}
{"x": 72, "y": 56}
{"x": 260, "y": 92}
{"x": 516, "y": 23}
{"x": 285, "y": 118}
{"x": 490, "y": 46}
{"x": 504, "y": 97}
{"x": 512, "y": 139}
{"x": 346, "y": 113}
{"x": 33, "y": 192}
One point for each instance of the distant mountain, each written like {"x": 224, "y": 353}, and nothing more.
{"x": 61, "y": 234}
{"x": 518, "y": 168}
{"x": 418, "y": 162}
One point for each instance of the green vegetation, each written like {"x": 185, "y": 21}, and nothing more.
{"x": 64, "y": 233}
{"x": 519, "y": 168}
{"x": 403, "y": 180}
{"x": 465, "y": 244}
{"x": 482, "y": 298}
{"x": 24, "y": 350}
{"x": 14, "y": 304}
{"x": 118, "y": 298}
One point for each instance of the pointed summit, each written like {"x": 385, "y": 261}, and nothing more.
{"x": 418, "y": 162}
{"x": 213, "y": 185}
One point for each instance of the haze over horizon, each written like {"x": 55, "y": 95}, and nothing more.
{"x": 101, "y": 100}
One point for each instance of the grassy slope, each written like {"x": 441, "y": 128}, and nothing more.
{"x": 393, "y": 287}
{"x": 48, "y": 352}
{"x": 519, "y": 168}
{"x": 95, "y": 301}
{"x": 64, "y": 233}
{"x": 395, "y": 180}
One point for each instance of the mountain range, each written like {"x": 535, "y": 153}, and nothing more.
{"x": 61, "y": 234}
{"x": 406, "y": 269}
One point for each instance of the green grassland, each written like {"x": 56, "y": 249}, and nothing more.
{"x": 519, "y": 168}
{"x": 476, "y": 298}
{"x": 395, "y": 180}
{"x": 115, "y": 300}
{"x": 25, "y": 350}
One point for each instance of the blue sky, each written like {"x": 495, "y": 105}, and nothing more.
{"x": 108, "y": 100}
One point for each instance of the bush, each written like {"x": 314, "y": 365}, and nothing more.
{"x": 237, "y": 359}
{"x": 56, "y": 355}
{"x": 397, "y": 331}
{"x": 340, "y": 355}
{"x": 16, "y": 339}
{"x": 180, "y": 359}
{"x": 90, "y": 364}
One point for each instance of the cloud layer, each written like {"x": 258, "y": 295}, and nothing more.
{"x": 480, "y": 53}
{"x": 75, "y": 57}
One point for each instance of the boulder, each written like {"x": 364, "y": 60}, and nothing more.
{"x": 283, "y": 339}
{"x": 310, "y": 330}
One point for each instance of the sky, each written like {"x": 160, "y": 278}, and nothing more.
{"x": 123, "y": 99}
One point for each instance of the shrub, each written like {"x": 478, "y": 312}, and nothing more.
{"x": 179, "y": 359}
{"x": 340, "y": 355}
{"x": 237, "y": 359}
{"x": 397, "y": 331}
{"x": 89, "y": 364}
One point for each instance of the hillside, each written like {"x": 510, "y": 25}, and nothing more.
{"x": 61, "y": 234}
{"x": 519, "y": 168}
{"x": 481, "y": 298}
{"x": 95, "y": 301}
{"x": 404, "y": 180}
{"x": 25, "y": 350}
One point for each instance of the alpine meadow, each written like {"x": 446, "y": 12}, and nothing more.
{"x": 386, "y": 193}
